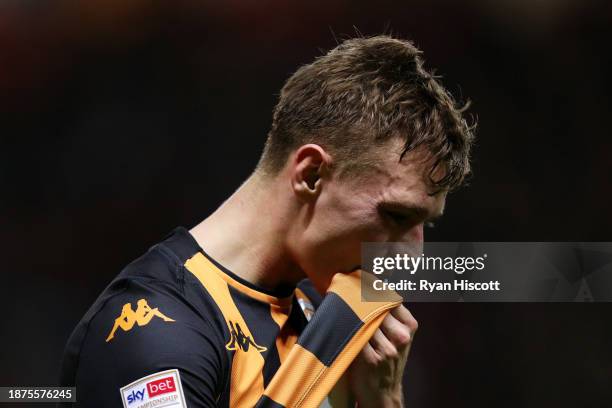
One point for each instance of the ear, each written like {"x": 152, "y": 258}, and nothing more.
{"x": 310, "y": 163}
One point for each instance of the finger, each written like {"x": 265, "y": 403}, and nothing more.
{"x": 370, "y": 355}
{"x": 397, "y": 332}
{"x": 382, "y": 345}
{"x": 402, "y": 314}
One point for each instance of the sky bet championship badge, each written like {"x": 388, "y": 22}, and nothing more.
{"x": 157, "y": 390}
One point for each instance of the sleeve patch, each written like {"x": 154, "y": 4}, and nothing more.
{"x": 162, "y": 389}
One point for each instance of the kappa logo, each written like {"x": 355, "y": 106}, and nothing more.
{"x": 142, "y": 316}
{"x": 239, "y": 340}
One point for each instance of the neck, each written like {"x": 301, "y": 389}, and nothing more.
{"x": 247, "y": 234}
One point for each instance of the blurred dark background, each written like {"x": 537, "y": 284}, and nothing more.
{"x": 123, "y": 119}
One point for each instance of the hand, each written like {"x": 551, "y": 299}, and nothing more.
{"x": 375, "y": 377}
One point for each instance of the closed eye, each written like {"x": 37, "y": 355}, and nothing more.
{"x": 396, "y": 217}
{"x": 404, "y": 216}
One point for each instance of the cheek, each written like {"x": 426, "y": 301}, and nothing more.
{"x": 336, "y": 229}
{"x": 338, "y": 239}
{"x": 354, "y": 222}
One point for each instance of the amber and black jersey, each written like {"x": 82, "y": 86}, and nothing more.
{"x": 176, "y": 308}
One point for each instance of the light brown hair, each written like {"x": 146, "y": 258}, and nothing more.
{"x": 359, "y": 95}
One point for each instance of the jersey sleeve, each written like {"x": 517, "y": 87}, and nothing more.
{"x": 147, "y": 347}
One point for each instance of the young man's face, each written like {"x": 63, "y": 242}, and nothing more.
{"x": 388, "y": 203}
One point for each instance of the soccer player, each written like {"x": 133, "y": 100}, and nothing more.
{"x": 365, "y": 144}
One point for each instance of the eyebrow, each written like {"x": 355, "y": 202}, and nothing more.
{"x": 419, "y": 211}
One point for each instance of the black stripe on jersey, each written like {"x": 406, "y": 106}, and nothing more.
{"x": 264, "y": 329}
{"x": 297, "y": 320}
{"x": 267, "y": 402}
{"x": 335, "y": 317}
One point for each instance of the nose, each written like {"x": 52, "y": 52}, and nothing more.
{"x": 414, "y": 235}
{"x": 411, "y": 240}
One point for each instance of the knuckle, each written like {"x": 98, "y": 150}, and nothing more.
{"x": 374, "y": 360}
{"x": 404, "y": 338}
{"x": 413, "y": 325}
{"x": 390, "y": 353}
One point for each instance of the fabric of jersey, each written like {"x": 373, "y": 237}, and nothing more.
{"x": 338, "y": 331}
{"x": 176, "y": 308}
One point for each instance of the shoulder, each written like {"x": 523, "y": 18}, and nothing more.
{"x": 142, "y": 326}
